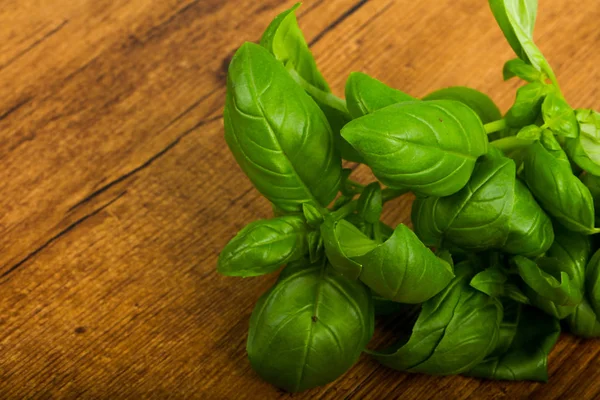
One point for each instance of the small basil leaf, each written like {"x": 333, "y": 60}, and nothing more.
{"x": 370, "y": 203}
{"x": 313, "y": 217}
{"x": 585, "y": 149}
{"x": 479, "y": 102}
{"x": 309, "y": 328}
{"x": 559, "y": 116}
{"x": 512, "y": 291}
{"x": 527, "y": 105}
{"x": 584, "y": 321}
{"x": 559, "y": 192}
{"x": 277, "y": 133}
{"x": 546, "y": 277}
{"x": 517, "y": 19}
{"x": 342, "y": 242}
{"x": 572, "y": 250}
{"x": 490, "y": 281}
{"x": 442, "y": 138}
{"x": 403, "y": 269}
{"x": 530, "y": 132}
{"x": 263, "y": 246}
{"x": 284, "y": 39}
{"x": 358, "y": 222}
{"x": 527, "y": 357}
{"x": 365, "y": 95}
{"x": 455, "y": 330}
{"x": 518, "y": 67}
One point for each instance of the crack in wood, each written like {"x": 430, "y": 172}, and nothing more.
{"x": 15, "y": 108}
{"x": 59, "y": 235}
{"x": 144, "y": 165}
{"x": 34, "y": 44}
{"x": 338, "y": 21}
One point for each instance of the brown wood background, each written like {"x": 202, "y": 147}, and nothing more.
{"x": 117, "y": 190}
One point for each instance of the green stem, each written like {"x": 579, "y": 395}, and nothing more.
{"x": 510, "y": 143}
{"x": 390, "y": 194}
{"x": 324, "y": 97}
{"x": 495, "y": 126}
{"x": 355, "y": 187}
{"x": 344, "y": 211}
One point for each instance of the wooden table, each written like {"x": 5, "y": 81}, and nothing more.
{"x": 118, "y": 191}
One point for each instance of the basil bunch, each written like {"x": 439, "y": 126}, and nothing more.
{"x": 511, "y": 200}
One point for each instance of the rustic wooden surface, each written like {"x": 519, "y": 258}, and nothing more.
{"x": 118, "y": 191}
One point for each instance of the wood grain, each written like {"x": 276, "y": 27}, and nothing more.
{"x": 118, "y": 190}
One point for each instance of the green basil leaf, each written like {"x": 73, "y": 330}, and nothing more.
{"x": 559, "y": 116}
{"x": 585, "y": 149}
{"x": 263, "y": 246}
{"x": 284, "y": 39}
{"x": 572, "y": 250}
{"x": 516, "y": 18}
{"x": 309, "y": 328}
{"x": 584, "y": 321}
{"x": 548, "y": 279}
{"x": 313, "y": 217}
{"x": 513, "y": 292}
{"x": 365, "y": 95}
{"x": 441, "y": 138}
{"x": 528, "y": 104}
{"x": 479, "y": 102}
{"x": 342, "y": 242}
{"x": 277, "y": 133}
{"x": 518, "y": 67}
{"x": 490, "y": 281}
{"x": 559, "y": 192}
{"x": 403, "y": 269}
{"x": 455, "y": 330}
{"x": 370, "y": 203}
{"x": 527, "y": 356}
{"x": 474, "y": 218}
{"x": 360, "y": 223}
{"x": 592, "y": 282}
{"x": 530, "y": 132}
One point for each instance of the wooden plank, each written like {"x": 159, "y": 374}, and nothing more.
{"x": 119, "y": 191}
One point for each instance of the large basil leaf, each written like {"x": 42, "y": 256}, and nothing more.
{"x": 284, "y": 39}
{"x": 309, "y": 328}
{"x": 277, "y": 133}
{"x": 584, "y": 321}
{"x": 403, "y": 269}
{"x": 474, "y": 218}
{"x": 429, "y": 147}
{"x": 365, "y": 95}
{"x": 479, "y": 102}
{"x": 528, "y": 104}
{"x": 585, "y": 149}
{"x": 559, "y": 192}
{"x": 454, "y": 332}
{"x": 263, "y": 246}
{"x": 532, "y": 338}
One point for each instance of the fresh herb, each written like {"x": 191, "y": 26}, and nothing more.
{"x": 512, "y": 200}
